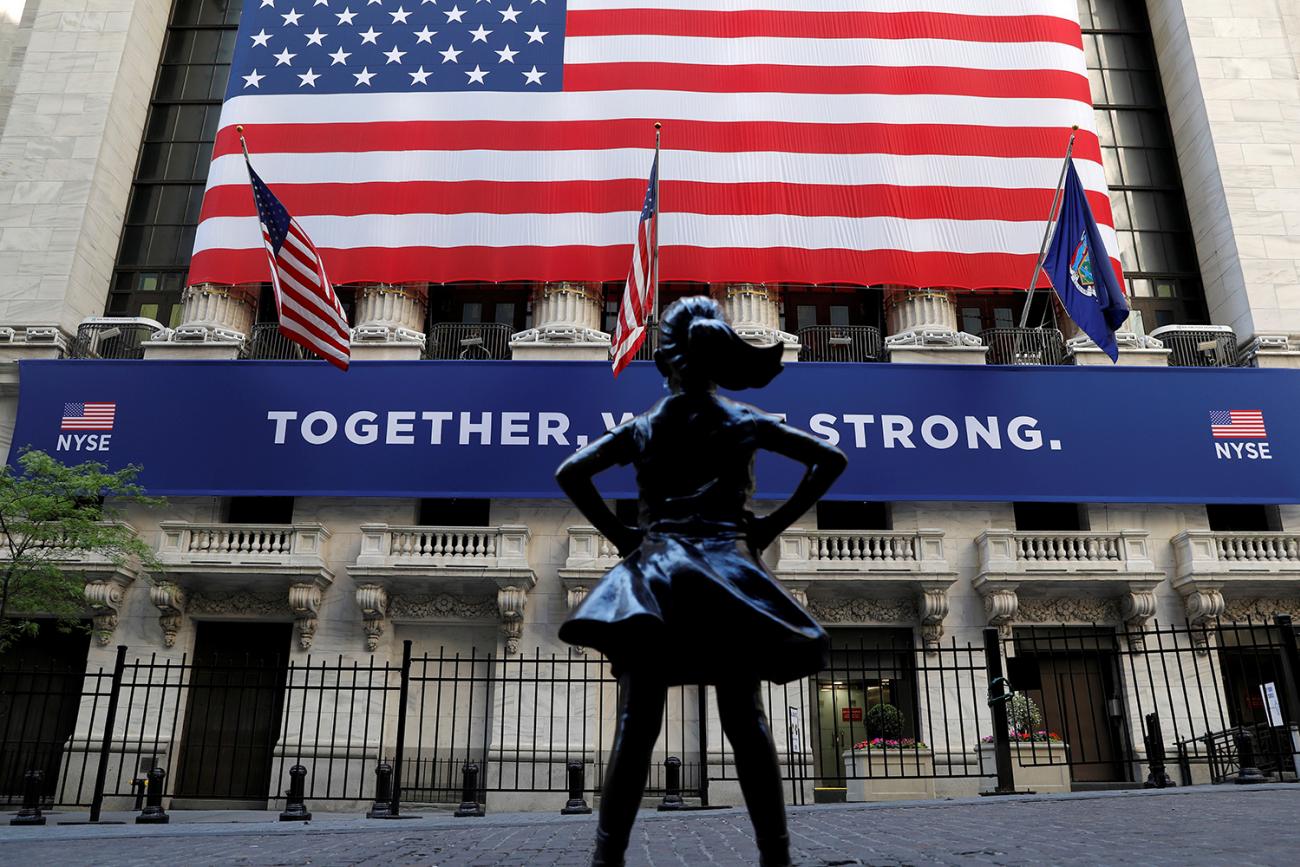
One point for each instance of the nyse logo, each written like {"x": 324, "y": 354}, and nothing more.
{"x": 86, "y": 427}
{"x": 1240, "y": 428}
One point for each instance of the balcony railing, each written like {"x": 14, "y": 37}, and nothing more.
{"x": 240, "y": 545}
{"x": 266, "y": 343}
{"x": 385, "y": 546}
{"x": 839, "y": 343}
{"x": 1200, "y": 345}
{"x": 1018, "y": 551}
{"x": 1024, "y": 346}
{"x": 468, "y": 341}
{"x": 866, "y": 550}
{"x": 1208, "y": 552}
{"x": 115, "y": 337}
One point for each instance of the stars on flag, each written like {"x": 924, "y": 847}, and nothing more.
{"x": 375, "y": 46}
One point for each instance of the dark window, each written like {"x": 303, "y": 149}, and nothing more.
{"x": 1243, "y": 517}
{"x": 1051, "y": 517}
{"x": 454, "y": 512}
{"x": 259, "y": 510}
{"x": 163, "y": 210}
{"x": 1146, "y": 191}
{"x": 852, "y": 515}
{"x": 807, "y": 306}
{"x": 476, "y": 303}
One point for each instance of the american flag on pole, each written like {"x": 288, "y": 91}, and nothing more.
{"x": 915, "y": 142}
{"x": 1238, "y": 424}
{"x": 638, "y": 302}
{"x": 99, "y": 415}
{"x": 309, "y": 312}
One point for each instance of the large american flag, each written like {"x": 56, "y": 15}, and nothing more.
{"x": 309, "y": 312}
{"x": 638, "y": 303}
{"x": 868, "y": 141}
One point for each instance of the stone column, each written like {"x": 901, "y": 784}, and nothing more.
{"x": 754, "y": 310}
{"x": 566, "y": 324}
{"x": 215, "y": 321}
{"x": 390, "y": 321}
{"x": 1135, "y": 348}
{"x": 923, "y": 328}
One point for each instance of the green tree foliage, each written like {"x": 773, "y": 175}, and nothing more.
{"x": 52, "y": 516}
{"x": 1023, "y": 716}
{"x": 884, "y": 721}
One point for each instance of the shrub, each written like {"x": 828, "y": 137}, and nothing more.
{"x": 1023, "y": 716}
{"x": 884, "y": 721}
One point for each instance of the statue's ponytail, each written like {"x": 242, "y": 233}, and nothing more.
{"x": 702, "y": 349}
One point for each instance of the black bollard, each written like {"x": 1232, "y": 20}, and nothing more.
{"x": 469, "y": 805}
{"x": 1247, "y": 772}
{"x": 153, "y": 812}
{"x": 672, "y": 785}
{"x": 30, "y": 814}
{"x": 1157, "y": 779}
{"x": 576, "y": 805}
{"x": 383, "y": 793}
{"x": 295, "y": 808}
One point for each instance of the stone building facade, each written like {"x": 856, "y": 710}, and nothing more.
{"x": 81, "y": 78}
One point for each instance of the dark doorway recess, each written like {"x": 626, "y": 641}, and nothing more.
{"x": 232, "y": 714}
{"x": 40, "y": 693}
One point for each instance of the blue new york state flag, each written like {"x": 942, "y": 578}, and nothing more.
{"x": 1080, "y": 270}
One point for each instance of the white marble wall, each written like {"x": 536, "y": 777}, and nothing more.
{"x": 77, "y": 89}
{"x": 1230, "y": 77}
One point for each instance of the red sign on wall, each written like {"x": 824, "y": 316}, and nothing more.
{"x": 851, "y": 714}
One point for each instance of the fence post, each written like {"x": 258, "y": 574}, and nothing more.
{"x": 1247, "y": 773}
{"x": 153, "y": 812}
{"x": 703, "y": 738}
{"x": 998, "y": 698}
{"x": 577, "y": 804}
{"x": 295, "y": 807}
{"x": 1290, "y": 664}
{"x": 469, "y": 805}
{"x": 672, "y": 784}
{"x": 1157, "y": 779}
{"x": 383, "y": 792}
{"x": 30, "y": 814}
{"x": 395, "y": 808}
{"x": 110, "y": 719}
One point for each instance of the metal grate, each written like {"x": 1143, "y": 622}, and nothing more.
{"x": 1024, "y": 346}
{"x": 839, "y": 343}
{"x": 468, "y": 341}
{"x": 1200, "y": 345}
{"x": 266, "y": 343}
{"x": 114, "y": 337}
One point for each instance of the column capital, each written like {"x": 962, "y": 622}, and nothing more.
{"x": 567, "y": 316}
{"x": 390, "y": 321}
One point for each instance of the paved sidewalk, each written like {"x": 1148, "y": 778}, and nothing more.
{"x": 1257, "y": 825}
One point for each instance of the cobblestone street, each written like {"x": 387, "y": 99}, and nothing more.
{"x": 1219, "y": 825}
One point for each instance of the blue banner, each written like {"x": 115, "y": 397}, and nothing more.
{"x": 498, "y": 429}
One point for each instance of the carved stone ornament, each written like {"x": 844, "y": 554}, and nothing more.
{"x": 304, "y": 602}
{"x": 1137, "y": 607}
{"x": 443, "y": 606}
{"x": 934, "y": 608}
{"x": 862, "y": 610}
{"x": 1260, "y": 609}
{"x": 169, "y": 598}
{"x": 1001, "y": 605}
{"x": 575, "y": 595}
{"x": 511, "y": 602}
{"x": 373, "y": 602}
{"x": 105, "y": 600}
{"x": 1205, "y": 605}
{"x": 1068, "y": 609}
{"x": 800, "y": 595}
{"x": 240, "y": 603}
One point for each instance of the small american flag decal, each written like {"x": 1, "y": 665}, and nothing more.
{"x": 1238, "y": 424}
{"x": 89, "y": 416}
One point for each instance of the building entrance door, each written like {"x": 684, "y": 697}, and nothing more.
{"x": 232, "y": 713}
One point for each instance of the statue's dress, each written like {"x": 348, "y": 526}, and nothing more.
{"x": 694, "y": 604}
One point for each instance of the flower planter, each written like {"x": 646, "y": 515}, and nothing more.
{"x": 889, "y": 775}
{"x": 1040, "y": 767}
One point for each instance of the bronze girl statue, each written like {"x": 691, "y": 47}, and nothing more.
{"x": 691, "y": 602}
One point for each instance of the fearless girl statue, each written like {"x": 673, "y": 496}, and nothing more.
{"x": 691, "y": 601}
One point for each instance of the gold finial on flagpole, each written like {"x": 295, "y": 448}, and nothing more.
{"x": 243, "y": 144}
{"x": 658, "y": 125}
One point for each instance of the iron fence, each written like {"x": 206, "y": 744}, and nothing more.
{"x": 1024, "y": 346}
{"x": 468, "y": 341}
{"x": 115, "y": 337}
{"x": 1200, "y": 345}
{"x": 267, "y": 343}
{"x": 840, "y": 343}
{"x": 886, "y": 718}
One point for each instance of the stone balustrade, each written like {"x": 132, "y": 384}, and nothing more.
{"x": 413, "y": 573}
{"x": 1054, "y": 564}
{"x": 1210, "y": 564}
{"x": 185, "y": 544}
{"x": 831, "y": 550}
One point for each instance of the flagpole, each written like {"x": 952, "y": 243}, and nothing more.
{"x": 655, "y": 268}
{"x": 243, "y": 144}
{"x": 1047, "y": 235}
